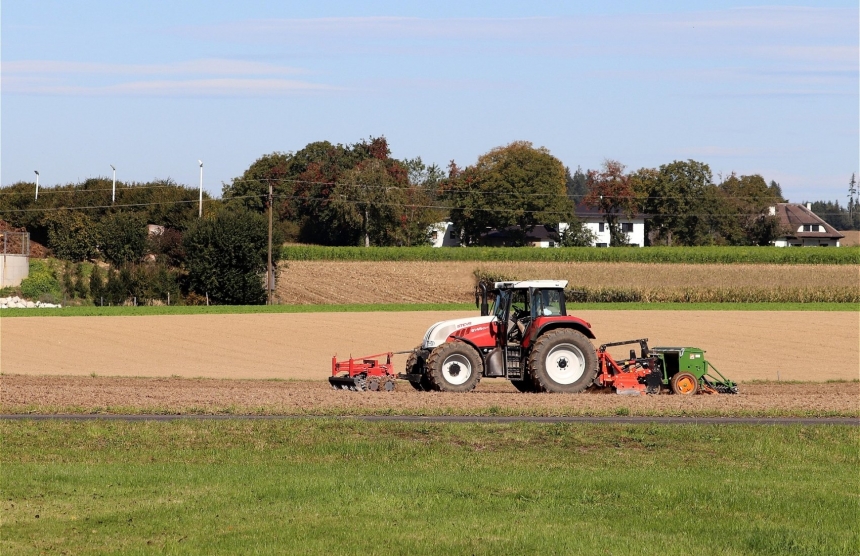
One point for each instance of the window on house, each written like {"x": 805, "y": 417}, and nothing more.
{"x": 627, "y": 227}
{"x": 434, "y": 235}
{"x": 601, "y": 227}
{"x": 453, "y": 234}
{"x": 601, "y": 245}
{"x": 811, "y": 228}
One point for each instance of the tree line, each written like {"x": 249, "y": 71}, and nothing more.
{"x": 357, "y": 194}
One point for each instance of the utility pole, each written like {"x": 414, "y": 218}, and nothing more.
{"x": 37, "y": 184}
{"x": 366, "y": 226}
{"x": 200, "y": 211}
{"x": 113, "y": 191}
{"x": 270, "y": 277}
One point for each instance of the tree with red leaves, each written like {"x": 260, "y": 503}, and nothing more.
{"x": 613, "y": 193}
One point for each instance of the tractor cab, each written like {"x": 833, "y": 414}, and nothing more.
{"x": 517, "y": 306}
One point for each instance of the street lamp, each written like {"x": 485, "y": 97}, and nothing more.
{"x": 37, "y": 184}
{"x": 200, "y": 211}
{"x": 113, "y": 191}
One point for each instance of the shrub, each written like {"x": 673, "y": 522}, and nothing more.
{"x": 72, "y": 235}
{"x": 226, "y": 257}
{"x": 42, "y": 282}
{"x": 122, "y": 238}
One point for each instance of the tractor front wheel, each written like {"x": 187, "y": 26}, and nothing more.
{"x": 454, "y": 367}
{"x": 564, "y": 361}
{"x": 415, "y": 365}
{"x": 685, "y": 384}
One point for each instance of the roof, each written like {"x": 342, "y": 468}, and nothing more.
{"x": 585, "y": 211}
{"x": 792, "y": 216}
{"x": 540, "y": 232}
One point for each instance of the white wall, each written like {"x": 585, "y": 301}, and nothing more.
{"x": 636, "y": 237}
{"x": 13, "y": 269}
{"x": 440, "y": 235}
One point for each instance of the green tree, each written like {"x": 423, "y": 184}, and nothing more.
{"x": 577, "y": 184}
{"x": 676, "y": 199}
{"x": 310, "y": 189}
{"x": 122, "y": 238}
{"x": 515, "y": 185}
{"x": 745, "y": 203}
{"x": 71, "y": 235}
{"x": 97, "y": 285}
{"x": 613, "y": 193}
{"x": 577, "y": 235}
{"x": 226, "y": 257}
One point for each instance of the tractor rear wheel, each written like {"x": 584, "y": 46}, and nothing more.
{"x": 454, "y": 367}
{"x": 415, "y": 365}
{"x": 564, "y": 361}
{"x": 685, "y": 384}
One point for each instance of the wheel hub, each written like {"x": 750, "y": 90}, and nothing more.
{"x": 565, "y": 364}
{"x": 457, "y": 369}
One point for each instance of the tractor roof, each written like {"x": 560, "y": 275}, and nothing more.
{"x": 526, "y": 284}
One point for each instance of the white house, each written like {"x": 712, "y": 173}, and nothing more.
{"x": 443, "y": 234}
{"x": 804, "y": 227}
{"x": 595, "y": 220}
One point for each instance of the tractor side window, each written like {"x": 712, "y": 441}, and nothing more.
{"x": 519, "y": 304}
{"x": 547, "y": 303}
{"x": 499, "y": 302}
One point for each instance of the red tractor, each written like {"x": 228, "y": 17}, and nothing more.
{"x": 526, "y": 336}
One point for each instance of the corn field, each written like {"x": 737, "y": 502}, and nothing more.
{"x": 675, "y": 255}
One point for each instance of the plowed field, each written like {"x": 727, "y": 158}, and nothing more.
{"x": 743, "y": 345}
{"x": 492, "y": 397}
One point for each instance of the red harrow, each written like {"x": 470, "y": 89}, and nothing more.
{"x": 363, "y": 373}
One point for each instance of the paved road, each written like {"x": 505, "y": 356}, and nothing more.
{"x": 465, "y": 419}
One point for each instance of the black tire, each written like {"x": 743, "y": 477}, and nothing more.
{"x": 454, "y": 367}
{"x": 563, "y": 361}
{"x": 526, "y": 385}
{"x": 415, "y": 365}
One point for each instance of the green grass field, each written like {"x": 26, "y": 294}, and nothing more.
{"x": 91, "y": 311}
{"x": 695, "y": 255}
{"x": 344, "y": 487}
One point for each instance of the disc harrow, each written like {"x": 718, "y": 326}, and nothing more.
{"x": 363, "y": 373}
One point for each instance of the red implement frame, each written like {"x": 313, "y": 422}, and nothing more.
{"x": 625, "y": 379}
{"x": 369, "y": 364}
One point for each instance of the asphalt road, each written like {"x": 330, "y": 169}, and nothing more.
{"x": 463, "y": 419}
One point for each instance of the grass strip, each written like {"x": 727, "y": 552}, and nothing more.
{"x": 694, "y": 255}
{"x": 91, "y": 311}
{"x": 345, "y": 487}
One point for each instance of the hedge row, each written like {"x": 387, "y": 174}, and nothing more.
{"x": 759, "y": 255}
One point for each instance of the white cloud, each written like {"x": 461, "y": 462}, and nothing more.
{"x": 190, "y": 67}
{"x": 188, "y": 78}
{"x": 188, "y": 87}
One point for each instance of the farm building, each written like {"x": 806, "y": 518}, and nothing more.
{"x": 804, "y": 227}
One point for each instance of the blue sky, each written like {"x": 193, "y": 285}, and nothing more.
{"x": 151, "y": 87}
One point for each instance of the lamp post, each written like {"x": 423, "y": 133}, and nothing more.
{"x": 37, "y": 184}
{"x": 200, "y": 211}
{"x": 113, "y": 191}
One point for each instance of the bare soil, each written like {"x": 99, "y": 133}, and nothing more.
{"x": 743, "y": 345}
{"x": 21, "y": 393}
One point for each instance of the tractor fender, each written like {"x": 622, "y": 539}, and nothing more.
{"x": 576, "y": 324}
